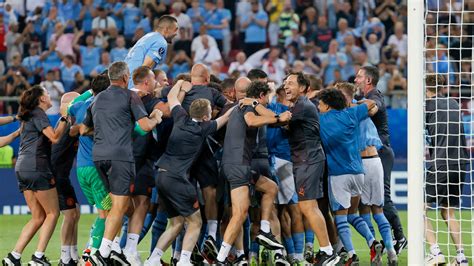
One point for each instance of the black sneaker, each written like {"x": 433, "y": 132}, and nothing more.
{"x": 118, "y": 259}
{"x": 268, "y": 240}
{"x": 209, "y": 250}
{"x": 196, "y": 256}
{"x": 400, "y": 245}
{"x": 322, "y": 258}
{"x": 241, "y": 261}
{"x": 9, "y": 260}
{"x": 309, "y": 254}
{"x": 222, "y": 263}
{"x": 352, "y": 261}
{"x": 39, "y": 261}
{"x": 280, "y": 260}
{"x": 97, "y": 260}
{"x": 343, "y": 254}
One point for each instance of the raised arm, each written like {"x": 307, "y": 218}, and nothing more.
{"x": 54, "y": 135}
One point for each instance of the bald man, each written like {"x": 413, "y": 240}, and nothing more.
{"x": 205, "y": 169}
{"x": 62, "y": 158}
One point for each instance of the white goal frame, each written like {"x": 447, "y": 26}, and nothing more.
{"x": 416, "y": 73}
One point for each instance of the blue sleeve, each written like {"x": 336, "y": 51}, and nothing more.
{"x": 361, "y": 112}
{"x": 73, "y": 109}
{"x": 157, "y": 51}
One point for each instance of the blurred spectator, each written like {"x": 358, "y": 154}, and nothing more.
{"x": 312, "y": 64}
{"x": 3, "y": 36}
{"x": 32, "y": 64}
{"x": 397, "y": 89}
{"x": 50, "y": 58}
{"x": 55, "y": 89}
{"x": 81, "y": 84}
{"x": 14, "y": 42}
{"x": 131, "y": 17}
{"x": 90, "y": 55}
{"x": 215, "y": 22}
{"x": 334, "y": 60}
{"x": 287, "y": 18}
{"x": 10, "y": 15}
{"x": 207, "y": 54}
{"x": 274, "y": 9}
{"x": 103, "y": 26}
{"x": 181, "y": 63}
{"x": 15, "y": 82}
{"x": 298, "y": 66}
{"x": 309, "y": 25}
{"x": 146, "y": 23}
{"x": 69, "y": 9}
{"x": 399, "y": 40}
{"x": 227, "y": 15}
{"x": 185, "y": 35}
{"x": 104, "y": 64}
{"x": 49, "y": 24}
{"x": 384, "y": 78}
{"x": 343, "y": 31}
{"x": 16, "y": 68}
{"x": 68, "y": 72}
{"x": 373, "y": 46}
{"x": 64, "y": 41}
{"x": 386, "y": 11}
{"x": 323, "y": 34}
{"x": 119, "y": 52}
{"x": 351, "y": 50}
{"x": 240, "y": 65}
{"x": 86, "y": 15}
{"x": 196, "y": 13}
{"x": 274, "y": 66}
{"x": 216, "y": 70}
{"x": 344, "y": 10}
{"x": 363, "y": 12}
{"x": 295, "y": 39}
{"x": 254, "y": 23}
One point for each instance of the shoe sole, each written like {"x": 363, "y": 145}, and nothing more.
{"x": 268, "y": 243}
{"x": 209, "y": 252}
{"x": 437, "y": 261}
{"x": 7, "y": 262}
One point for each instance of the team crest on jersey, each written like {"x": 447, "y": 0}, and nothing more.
{"x": 160, "y": 53}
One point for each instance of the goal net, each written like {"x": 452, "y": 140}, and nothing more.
{"x": 448, "y": 128}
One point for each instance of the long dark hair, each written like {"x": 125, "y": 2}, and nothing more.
{"x": 29, "y": 100}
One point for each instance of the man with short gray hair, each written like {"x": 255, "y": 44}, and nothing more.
{"x": 112, "y": 116}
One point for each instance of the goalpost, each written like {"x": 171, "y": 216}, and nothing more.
{"x": 432, "y": 27}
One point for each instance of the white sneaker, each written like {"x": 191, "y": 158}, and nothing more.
{"x": 435, "y": 259}
{"x": 133, "y": 258}
{"x": 153, "y": 261}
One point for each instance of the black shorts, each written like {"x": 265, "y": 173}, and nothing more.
{"x": 177, "y": 194}
{"x": 145, "y": 179}
{"x": 237, "y": 175}
{"x": 309, "y": 180}
{"x": 261, "y": 167}
{"x": 205, "y": 169}
{"x": 35, "y": 181}
{"x": 444, "y": 186}
{"x": 66, "y": 194}
{"x": 118, "y": 176}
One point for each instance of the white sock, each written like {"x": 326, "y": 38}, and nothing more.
{"x": 239, "y": 252}
{"x": 434, "y": 249}
{"x": 265, "y": 226}
{"x": 39, "y": 255}
{"x": 212, "y": 228}
{"x": 74, "y": 255}
{"x": 185, "y": 258}
{"x": 132, "y": 243}
{"x": 299, "y": 256}
{"x": 116, "y": 245}
{"x": 224, "y": 251}
{"x": 65, "y": 254}
{"x": 15, "y": 254}
{"x": 105, "y": 247}
{"x": 460, "y": 255}
{"x": 157, "y": 253}
{"x": 309, "y": 245}
{"x": 327, "y": 249}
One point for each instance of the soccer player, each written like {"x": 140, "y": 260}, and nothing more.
{"x": 111, "y": 116}
{"x": 176, "y": 192}
{"x": 35, "y": 179}
{"x": 87, "y": 175}
{"x": 339, "y": 134}
{"x": 279, "y": 149}
{"x": 372, "y": 191}
{"x": 308, "y": 160}
{"x": 144, "y": 147}
{"x": 366, "y": 80}
{"x": 445, "y": 167}
{"x": 62, "y": 158}
{"x": 241, "y": 136}
{"x": 151, "y": 49}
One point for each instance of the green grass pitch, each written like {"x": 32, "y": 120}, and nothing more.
{"x": 10, "y": 227}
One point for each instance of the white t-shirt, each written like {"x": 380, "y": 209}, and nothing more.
{"x": 184, "y": 22}
{"x": 55, "y": 90}
{"x": 197, "y": 43}
{"x": 373, "y": 52}
{"x": 400, "y": 44}
{"x": 207, "y": 56}
{"x": 275, "y": 70}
